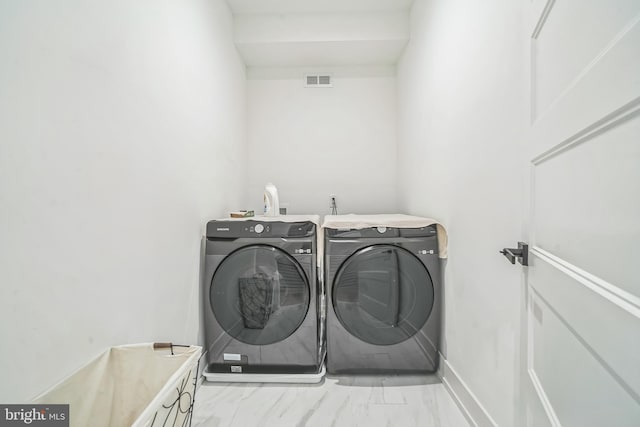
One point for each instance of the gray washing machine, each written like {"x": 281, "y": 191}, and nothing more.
{"x": 383, "y": 300}
{"x": 261, "y": 298}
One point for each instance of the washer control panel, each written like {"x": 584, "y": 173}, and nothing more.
{"x": 258, "y": 228}
{"x": 252, "y": 228}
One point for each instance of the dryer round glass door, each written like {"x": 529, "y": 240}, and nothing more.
{"x": 383, "y": 294}
{"x": 259, "y": 295}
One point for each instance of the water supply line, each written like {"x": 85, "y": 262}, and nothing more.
{"x": 334, "y": 206}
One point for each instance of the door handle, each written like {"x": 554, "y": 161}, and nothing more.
{"x": 521, "y": 253}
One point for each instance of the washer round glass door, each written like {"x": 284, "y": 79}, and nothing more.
{"x": 383, "y": 294}
{"x": 259, "y": 295}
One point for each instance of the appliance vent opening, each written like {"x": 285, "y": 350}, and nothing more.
{"x": 318, "y": 80}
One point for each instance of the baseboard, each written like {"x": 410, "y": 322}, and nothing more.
{"x": 468, "y": 403}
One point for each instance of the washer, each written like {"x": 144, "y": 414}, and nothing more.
{"x": 383, "y": 300}
{"x": 261, "y": 298}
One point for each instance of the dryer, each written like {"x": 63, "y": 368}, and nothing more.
{"x": 383, "y": 300}
{"x": 260, "y": 298}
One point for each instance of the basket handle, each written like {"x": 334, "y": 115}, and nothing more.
{"x": 162, "y": 345}
{"x": 167, "y": 345}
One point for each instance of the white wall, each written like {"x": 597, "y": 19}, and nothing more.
{"x": 315, "y": 142}
{"x": 120, "y": 125}
{"x": 461, "y": 115}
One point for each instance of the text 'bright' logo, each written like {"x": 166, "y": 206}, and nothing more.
{"x": 38, "y": 415}
{"x": 27, "y": 416}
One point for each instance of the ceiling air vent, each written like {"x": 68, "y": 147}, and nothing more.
{"x": 318, "y": 80}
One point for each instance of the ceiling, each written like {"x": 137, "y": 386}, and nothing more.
{"x": 312, "y": 6}
{"x": 298, "y": 33}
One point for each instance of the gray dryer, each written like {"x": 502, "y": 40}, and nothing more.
{"x": 383, "y": 300}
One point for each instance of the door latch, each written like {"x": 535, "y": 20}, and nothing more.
{"x": 521, "y": 254}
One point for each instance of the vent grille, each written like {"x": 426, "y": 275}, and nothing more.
{"x": 318, "y": 80}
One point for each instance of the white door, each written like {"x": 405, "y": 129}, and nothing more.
{"x": 581, "y": 320}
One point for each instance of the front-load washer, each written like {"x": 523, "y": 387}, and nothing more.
{"x": 261, "y": 298}
{"x": 383, "y": 300}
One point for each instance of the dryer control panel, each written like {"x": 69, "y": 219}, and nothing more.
{"x": 377, "y": 232}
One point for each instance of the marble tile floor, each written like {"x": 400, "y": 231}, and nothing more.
{"x": 337, "y": 401}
